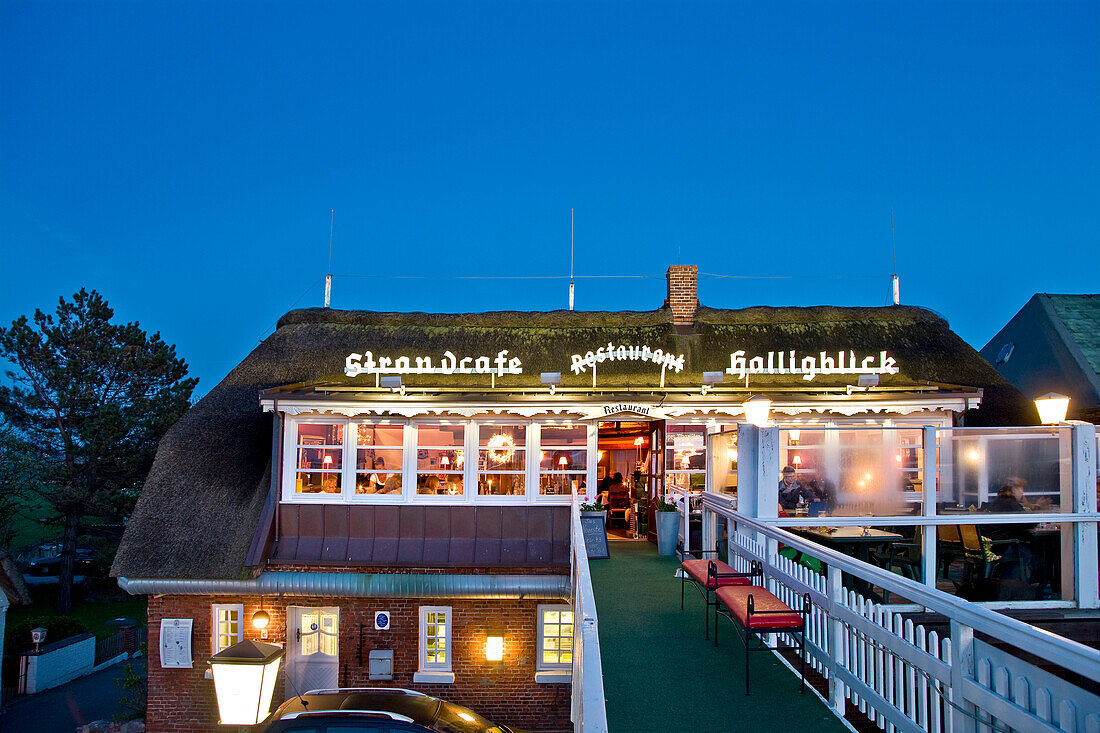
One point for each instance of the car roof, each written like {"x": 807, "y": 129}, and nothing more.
{"x": 416, "y": 707}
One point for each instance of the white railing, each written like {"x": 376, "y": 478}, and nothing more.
{"x": 906, "y": 677}
{"x": 589, "y": 712}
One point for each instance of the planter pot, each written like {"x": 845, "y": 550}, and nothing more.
{"x": 668, "y": 530}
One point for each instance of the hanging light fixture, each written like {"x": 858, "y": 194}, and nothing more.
{"x": 757, "y": 410}
{"x": 793, "y": 435}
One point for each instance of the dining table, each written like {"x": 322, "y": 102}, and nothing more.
{"x": 857, "y": 542}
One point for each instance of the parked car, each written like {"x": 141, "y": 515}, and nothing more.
{"x": 392, "y": 710}
{"x": 83, "y": 564}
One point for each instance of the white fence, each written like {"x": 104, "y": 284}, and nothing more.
{"x": 589, "y": 712}
{"x": 905, "y": 677}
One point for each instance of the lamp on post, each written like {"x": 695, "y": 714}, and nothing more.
{"x": 1052, "y": 408}
{"x": 244, "y": 680}
{"x": 757, "y": 410}
{"x": 38, "y": 636}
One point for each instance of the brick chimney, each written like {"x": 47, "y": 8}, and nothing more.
{"x": 683, "y": 295}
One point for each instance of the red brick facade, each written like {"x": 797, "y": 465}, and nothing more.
{"x": 183, "y": 700}
{"x": 683, "y": 295}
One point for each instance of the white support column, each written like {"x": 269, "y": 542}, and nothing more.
{"x": 962, "y": 668}
{"x": 758, "y": 471}
{"x": 928, "y": 531}
{"x": 593, "y": 457}
{"x": 837, "y": 653}
{"x": 1084, "y": 500}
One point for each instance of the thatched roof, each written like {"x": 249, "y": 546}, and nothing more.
{"x": 202, "y": 500}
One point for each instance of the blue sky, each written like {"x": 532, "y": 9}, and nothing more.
{"x": 182, "y": 158}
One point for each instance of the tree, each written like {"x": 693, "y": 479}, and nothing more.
{"x": 17, "y": 475}
{"x": 91, "y": 399}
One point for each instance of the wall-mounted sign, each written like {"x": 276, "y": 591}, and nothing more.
{"x": 365, "y": 363}
{"x": 611, "y": 352}
{"x": 175, "y": 643}
{"x": 788, "y": 362}
{"x": 624, "y": 411}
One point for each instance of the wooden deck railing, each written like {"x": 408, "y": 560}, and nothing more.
{"x": 589, "y": 712}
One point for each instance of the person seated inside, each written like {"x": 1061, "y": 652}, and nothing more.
{"x": 379, "y": 480}
{"x": 1009, "y": 500}
{"x": 791, "y": 490}
{"x": 618, "y": 497}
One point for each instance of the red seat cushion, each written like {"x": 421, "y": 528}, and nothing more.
{"x": 737, "y": 601}
{"x": 697, "y": 569}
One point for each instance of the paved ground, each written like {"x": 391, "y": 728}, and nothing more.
{"x": 660, "y": 674}
{"x": 62, "y": 709}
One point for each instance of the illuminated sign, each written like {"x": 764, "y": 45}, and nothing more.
{"x": 365, "y": 363}
{"x": 788, "y": 362}
{"x": 611, "y": 352}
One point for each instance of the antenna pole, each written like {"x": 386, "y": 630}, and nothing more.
{"x": 894, "y": 250}
{"x": 570, "y": 259}
{"x": 328, "y": 277}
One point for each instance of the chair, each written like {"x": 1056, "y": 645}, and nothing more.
{"x": 905, "y": 556}
{"x": 983, "y": 572}
{"x": 618, "y": 505}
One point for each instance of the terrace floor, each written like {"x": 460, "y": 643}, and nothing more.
{"x": 660, "y": 674}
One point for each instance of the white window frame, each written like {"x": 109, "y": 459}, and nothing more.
{"x": 352, "y": 441}
{"x": 469, "y": 472}
{"x": 556, "y": 672}
{"x": 537, "y": 473}
{"x": 290, "y": 460}
{"x": 215, "y": 631}
{"x": 475, "y": 427}
{"x": 434, "y": 672}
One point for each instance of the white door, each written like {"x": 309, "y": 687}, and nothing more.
{"x": 313, "y": 645}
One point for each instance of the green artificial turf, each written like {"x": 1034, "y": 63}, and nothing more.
{"x": 660, "y": 674}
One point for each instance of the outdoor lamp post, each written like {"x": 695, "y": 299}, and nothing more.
{"x": 1052, "y": 408}
{"x": 244, "y": 680}
{"x": 38, "y": 636}
{"x": 757, "y": 410}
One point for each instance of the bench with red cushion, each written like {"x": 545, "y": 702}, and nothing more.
{"x": 708, "y": 576}
{"x": 756, "y": 611}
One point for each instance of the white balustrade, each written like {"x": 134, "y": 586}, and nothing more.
{"x": 589, "y": 712}
{"x": 906, "y": 677}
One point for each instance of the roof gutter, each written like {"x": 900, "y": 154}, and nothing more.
{"x": 363, "y": 585}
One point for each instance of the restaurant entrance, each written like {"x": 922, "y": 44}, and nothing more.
{"x": 630, "y": 472}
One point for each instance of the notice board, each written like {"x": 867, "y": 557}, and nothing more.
{"x": 595, "y": 537}
{"x": 175, "y": 643}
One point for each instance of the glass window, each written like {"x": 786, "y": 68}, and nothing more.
{"x": 563, "y": 459}
{"x": 501, "y": 459}
{"x": 320, "y": 459}
{"x": 686, "y": 456}
{"x": 555, "y": 637}
{"x": 319, "y": 633}
{"x": 227, "y": 627}
{"x": 435, "y": 638}
{"x": 440, "y": 458}
{"x": 378, "y": 458}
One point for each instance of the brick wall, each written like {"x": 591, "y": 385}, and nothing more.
{"x": 683, "y": 295}
{"x": 183, "y": 700}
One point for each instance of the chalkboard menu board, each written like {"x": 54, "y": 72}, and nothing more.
{"x": 595, "y": 538}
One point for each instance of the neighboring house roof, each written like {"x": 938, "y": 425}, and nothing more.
{"x": 204, "y": 496}
{"x": 1053, "y": 345}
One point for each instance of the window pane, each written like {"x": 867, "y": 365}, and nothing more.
{"x": 515, "y": 434}
{"x": 507, "y": 459}
{"x": 379, "y": 458}
{"x": 327, "y": 459}
{"x": 500, "y": 484}
{"x": 439, "y": 483}
{"x": 318, "y": 483}
{"x": 562, "y": 460}
{"x": 435, "y": 436}
{"x": 319, "y": 434}
{"x": 561, "y": 484}
{"x": 565, "y": 435}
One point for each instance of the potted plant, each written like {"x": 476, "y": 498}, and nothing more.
{"x": 668, "y": 526}
{"x": 593, "y": 509}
